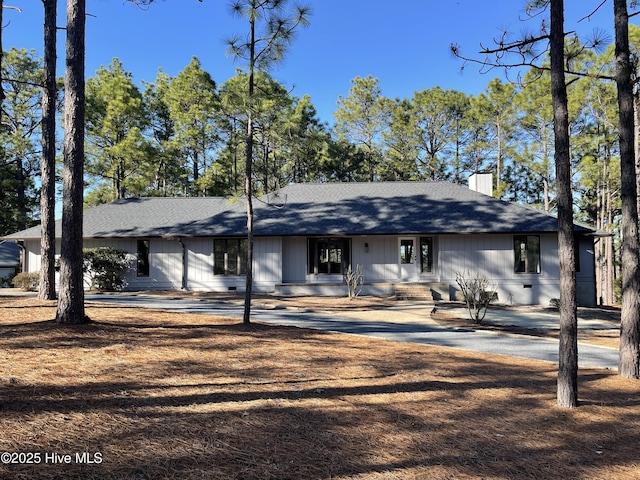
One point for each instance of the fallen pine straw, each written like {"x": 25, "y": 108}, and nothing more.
{"x": 166, "y": 395}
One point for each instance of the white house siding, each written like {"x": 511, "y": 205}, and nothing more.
{"x": 284, "y": 260}
{"x": 32, "y": 257}
{"x": 493, "y": 257}
{"x": 294, "y": 259}
{"x": 267, "y": 263}
{"x": 199, "y": 264}
{"x": 377, "y": 255}
{"x": 489, "y": 255}
{"x": 380, "y": 262}
{"x": 165, "y": 262}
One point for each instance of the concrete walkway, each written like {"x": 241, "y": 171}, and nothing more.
{"x": 408, "y": 322}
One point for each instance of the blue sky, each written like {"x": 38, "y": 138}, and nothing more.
{"x": 404, "y": 44}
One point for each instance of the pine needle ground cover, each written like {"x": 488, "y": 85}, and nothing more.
{"x": 144, "y": 394}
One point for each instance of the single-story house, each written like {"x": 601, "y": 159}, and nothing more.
{"x": 9, "y": 261}
{"x": 307, "y": 235}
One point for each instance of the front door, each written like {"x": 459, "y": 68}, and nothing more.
{"x": 407, "y": 260}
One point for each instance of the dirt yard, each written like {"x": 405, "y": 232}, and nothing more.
{"x": 142, "y": 394}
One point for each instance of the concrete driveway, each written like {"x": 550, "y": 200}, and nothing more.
{"x": 421, "y": 331}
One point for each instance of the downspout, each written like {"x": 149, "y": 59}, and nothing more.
{"x": 184, "y": 264}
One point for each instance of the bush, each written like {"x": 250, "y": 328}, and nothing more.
{"x": 29, "y": 282}
{"x": 354, "y": 280}
{"x": 106, "y": 267}
{"x": 477, "y": 294}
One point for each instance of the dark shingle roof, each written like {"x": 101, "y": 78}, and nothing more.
{"x": 399, "y": 208}
{"x": 319, "y": 209}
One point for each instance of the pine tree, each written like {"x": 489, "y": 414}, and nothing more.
{"x": 271, "y": 31}
{"x": 71, "y": 294}
{"x": 47, "y": 287}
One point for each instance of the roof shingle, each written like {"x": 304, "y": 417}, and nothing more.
{"x": 318, "y": 209}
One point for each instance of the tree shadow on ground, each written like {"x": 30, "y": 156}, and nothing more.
{"x": 160, "y": 399}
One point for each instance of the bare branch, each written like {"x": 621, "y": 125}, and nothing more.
{"x": 515, "y": 45}
{"x": 144, "y": 3}
{"x": 588, "y": 17}
{"x": 521, "y": 53}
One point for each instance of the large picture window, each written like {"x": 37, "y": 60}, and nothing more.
{"x": 328, "y": 255}
{"x": 230, "y": 256}
{"x": 527, "y": 253}
{"x": 142, "y": 267}
{"x": 426, "y": 255}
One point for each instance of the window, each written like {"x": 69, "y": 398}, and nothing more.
{"x": 328, "y": 255}
{"x": 230, "y": 256}
{"x": 527, "y": 253}
{"x": 426, "y": 255}
{"x": 406, "y": 251}
{"x": 142, "y": 268}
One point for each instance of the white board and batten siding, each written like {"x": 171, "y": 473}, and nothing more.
{"x": 377, "y": 255}
{"x": 493, "y": 257}
{"x": 283, "y": 260}
{"x": 166, "y": 263}
{"x": 294, "y": 259}
{"x": 267, "y": 263}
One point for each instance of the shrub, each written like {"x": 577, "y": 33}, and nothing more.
{"x": 354, "y": 280}
{"x": 477, "y": 294}
{"x": 27, "y": 281}
{"x": 106, "y": 267}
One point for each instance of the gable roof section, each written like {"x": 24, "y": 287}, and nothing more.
{"x": 375, "y": 208}
{"x": 398, "y": 208}
{"x": 151, "y": 217}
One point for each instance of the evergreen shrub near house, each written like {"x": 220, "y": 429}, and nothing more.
{"x": 106, "y": 267}
{"x": 27, "y": 281}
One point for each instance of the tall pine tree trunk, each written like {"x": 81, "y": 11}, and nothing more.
{"x": 47, "y": 289}
{"x": 2, "y": 96}
{"x": 248, "y": 191}
{"x": 567, "y": 394}
{"x": 636, "y": 137}
{"x": 71, "y": 294}
{"x": 629, "y": 358}
{"x": 248, "y": 188}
